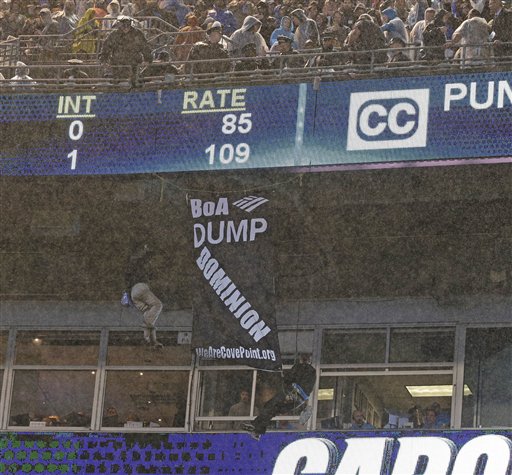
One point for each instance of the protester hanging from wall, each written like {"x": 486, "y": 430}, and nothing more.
{"x": 137, "y": 280}
{"x": 298, "y": 383}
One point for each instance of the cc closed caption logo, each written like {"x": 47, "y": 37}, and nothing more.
{"x": 388, "y": 119}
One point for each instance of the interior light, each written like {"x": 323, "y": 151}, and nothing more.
{"x": 93, "y": 372}
{"x": 326, "y": 394}
{"x": 37, "y": 341}
{"x": 141, "y": 373}
{"x": 438, "y": 390}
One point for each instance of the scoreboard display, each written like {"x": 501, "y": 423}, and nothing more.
{"x": 414, "y": 121}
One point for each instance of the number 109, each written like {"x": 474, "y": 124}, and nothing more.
{"x": 227, "y": 153}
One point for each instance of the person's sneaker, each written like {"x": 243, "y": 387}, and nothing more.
{"x": 157, "y": 345}
{"x": 254, "y": 435}
{"x": 252, "y": 431}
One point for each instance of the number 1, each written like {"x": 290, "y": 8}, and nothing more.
{"x": 73, "y": 155}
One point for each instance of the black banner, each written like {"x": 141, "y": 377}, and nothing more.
{"x": 234, "y": 311}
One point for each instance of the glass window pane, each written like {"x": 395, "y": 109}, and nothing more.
{"x": 487, "y": 375}
{"x": 128, "y": 348}
{"x": 293, "y": 342}
{"x": 146, "y": 399}
{"x": 3, "y": 346}
{"x": 387, "y": 401}
{"x": 353, "y": 346}
{"x": 424, "y": 345}
{"x": 52, "y": 398}
{"x": 57, "y": 347}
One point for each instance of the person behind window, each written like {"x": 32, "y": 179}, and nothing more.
{"x": 359, "y": 422}
{"x": 298, "y": 382}
{"x": 442, "y": 417}
{"x": 431, "y": 421}
{"x": 111, "y": 418}
{"x": 241, "y": 408}
{"x": 137, "y": 282}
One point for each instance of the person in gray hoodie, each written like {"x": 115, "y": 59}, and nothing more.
{"x": 249, "y": 33}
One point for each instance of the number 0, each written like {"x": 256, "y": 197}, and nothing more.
{"x": 76, "y": 130}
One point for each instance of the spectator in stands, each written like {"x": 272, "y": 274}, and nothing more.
{"x": 174, "y": 12}
{"x": 396, "y": 52}
{"x": 73, "y": 74}
{"x": 340, "y": 30}
{"x": 135, "y": 8}
{"x": 472, "y": 35}
{"x": 125, "y": 49}
{"x": 501, "y": 30}
{"x": 305, "y": 29}
{"x": 241, "y": 9}
{"x": 434, "y": 39}
{"x": 114, "y": 10}
{"x": 12, "y": 22}
{"x": 161, "y": 67}
{"x": 67, "y": 18}
{"x": 285, "y": 29}
{"x": 100, "y": 7}
{"x": 393, "y": 26}
{"x": 49, "y": 36}
{"x": 329, "y": 9}
{"x": 359, "y": 422}
{"x": 208, "y": 50}
{"x": 312, "y": 11}
{"x": 21, "y": 75}
{"x": 416, "y": 36}
{"x": 251, "y": 61}
{"x": 86, "y": 34}
{"x": 288, "y": 57}
{"x": 326, "y": 59}
{"x": 364, "y": 40}
{"x": 187, "y": 37}
{"x": 359, "y": 9}
{"x": 349, "y": 16}
{"x": 224, "y": 16}
{"x": 268, "y": 22}
{"x": 248, "y": 33}
{"x": 416, "y": 13}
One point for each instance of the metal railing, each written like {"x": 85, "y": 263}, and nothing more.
{"x": 92, "y": 74}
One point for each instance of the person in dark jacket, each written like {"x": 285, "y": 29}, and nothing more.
{"x": 366, "y": 37}
{"x": 501, "y": 30}
{"x": 125, "y": 46}
{"x": 298, "y": 383}
{"x": 137, "y": 283}
{"x": 207, "y": 50}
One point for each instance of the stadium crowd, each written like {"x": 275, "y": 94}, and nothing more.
{"x": 249, "y": 35}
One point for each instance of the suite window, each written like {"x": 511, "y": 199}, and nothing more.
{"x": 392, "y": 375}
{"x": 387, "y": 401}
{"x": 487, "y": 400}
{"x": 220, "y": 390}
{"x": 3, "y": 346}
{"x": 426, "y": 345}
{"x": 145, "y": 386}
{"x": 354, "y": 346}
{"x": 144, "y": 398}
{"x": 55, "y": 373}
{"x": 57, "y": 348}
{"x": 127, "y": 348}
{"x": 52, "y": 398}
